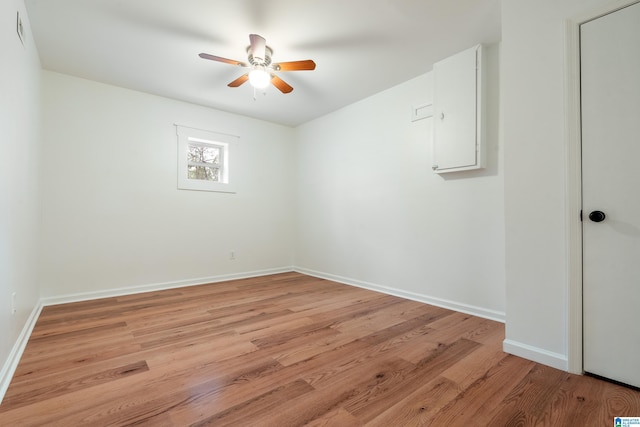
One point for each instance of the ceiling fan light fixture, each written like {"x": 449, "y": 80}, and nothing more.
{"x": 259, "y": 78}
{"x": 262, "y": 70}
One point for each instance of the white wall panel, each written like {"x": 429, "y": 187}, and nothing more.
{"x": 111, "y": 211}
{"x": 19, "y": 172}
{"x": 370, "y": 210}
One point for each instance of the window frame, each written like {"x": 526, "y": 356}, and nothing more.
{"x": 227, "y": 144}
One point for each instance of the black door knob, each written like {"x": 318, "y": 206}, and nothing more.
{"x": 597, "y": 216}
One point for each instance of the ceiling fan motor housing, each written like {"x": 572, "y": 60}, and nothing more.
{"x": 255, "y": 60}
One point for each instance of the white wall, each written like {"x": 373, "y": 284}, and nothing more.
{"x": 112, "y": 217}
{"x": 372, "y": 213}
{"x": 19, "y": 169}
{"x": 536, "y": 214}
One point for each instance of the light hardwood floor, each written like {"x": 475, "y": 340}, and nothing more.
{"x": 288, "y": 350}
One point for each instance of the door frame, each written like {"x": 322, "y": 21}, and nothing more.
{"x": 573, "y": 135}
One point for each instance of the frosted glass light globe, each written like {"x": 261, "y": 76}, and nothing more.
{"x": 259, "y": 78}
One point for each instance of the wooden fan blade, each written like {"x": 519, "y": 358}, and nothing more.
{"x": 280, "y": 84}
{"x": 240, "y": 80}
{"x": 295, "y": 65}
{"x": 221, "y": 59}
{"x": 258, "y": 47}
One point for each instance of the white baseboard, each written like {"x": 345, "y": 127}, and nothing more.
{"x": 549, "y": 358}
{"x": 116, "y": 292}
{"x": 439, "y": 302}
{"x": 10, "y": 365}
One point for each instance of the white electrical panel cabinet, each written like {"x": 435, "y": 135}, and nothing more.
{"x": 458, "y": 119}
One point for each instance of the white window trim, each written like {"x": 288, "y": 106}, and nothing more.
{"x": 228, "y": 143}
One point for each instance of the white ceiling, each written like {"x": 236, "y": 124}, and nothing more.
{"x": 361, "y": 47}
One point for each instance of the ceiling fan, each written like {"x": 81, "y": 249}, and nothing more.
{"x": 262, "y": 69}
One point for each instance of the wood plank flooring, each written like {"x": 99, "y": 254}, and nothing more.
{"x": 288, "y": 350}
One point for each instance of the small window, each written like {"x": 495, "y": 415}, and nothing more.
{"x": 205, "y": 160}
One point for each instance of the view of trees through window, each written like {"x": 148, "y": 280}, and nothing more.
{"x": 203, "y": 162}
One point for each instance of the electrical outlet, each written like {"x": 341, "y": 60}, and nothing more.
{"x": 13, "y": 303}
{"x": 232, "y": 255}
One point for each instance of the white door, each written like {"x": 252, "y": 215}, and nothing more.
{"x": 610, "y": 84}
